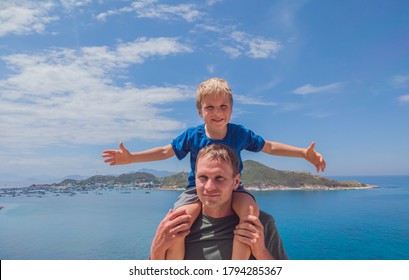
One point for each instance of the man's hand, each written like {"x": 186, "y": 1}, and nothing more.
{"x": 250, "y": 231}
{"x": 174, "y": 226}
{"x": 117, "y": 157}
{"x": 315, "y": 158}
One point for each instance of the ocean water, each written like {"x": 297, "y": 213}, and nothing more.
{"x": 369, "y": 224}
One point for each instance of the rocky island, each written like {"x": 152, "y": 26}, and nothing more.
{"x": 259, "y": 177}
{"x": 255, "y": 176}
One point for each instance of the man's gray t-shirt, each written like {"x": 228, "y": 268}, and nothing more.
{"x": 212, "y": 238}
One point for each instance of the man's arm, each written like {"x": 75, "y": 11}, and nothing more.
{"x": 250, "y": 231}
{"x": 175, "y": 225}
{"x": 262, "y": 236}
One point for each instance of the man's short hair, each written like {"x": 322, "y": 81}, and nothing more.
{"x": 221, "y": 153}
{"x": 213, "y": 86}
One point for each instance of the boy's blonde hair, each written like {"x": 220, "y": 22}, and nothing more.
{"x": 214, "y": 86}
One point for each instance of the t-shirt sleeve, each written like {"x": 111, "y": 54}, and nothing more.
{"x": 272, "y": 237}
{"x": 254, "y": 142}
{"x": 180, "y": 145}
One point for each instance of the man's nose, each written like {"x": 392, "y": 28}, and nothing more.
{"x": 210, "y": 185}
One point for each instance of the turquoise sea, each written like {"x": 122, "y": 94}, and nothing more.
{"x": 370, "y": 224}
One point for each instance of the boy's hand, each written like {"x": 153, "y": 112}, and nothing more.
{"x": 117, "y": 157}
{"x": 315, "y": 158}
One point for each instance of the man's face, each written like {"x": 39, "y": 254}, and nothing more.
{"x": 215, "y": 184}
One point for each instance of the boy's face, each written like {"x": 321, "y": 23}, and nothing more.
{"x": 216, "y": 111}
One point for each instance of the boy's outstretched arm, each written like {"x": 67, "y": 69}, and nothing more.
{"x": 123, "y": 156}
{"x": 280, "y": 149}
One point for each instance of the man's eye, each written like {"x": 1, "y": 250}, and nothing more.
{"x": 202, "y": 178}
{"x": 224, "y": 107}
{"x": 220, "y": 179}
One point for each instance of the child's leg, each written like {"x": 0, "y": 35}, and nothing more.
{"x": 241, "y": 205}
{"x": 177, "y": 251}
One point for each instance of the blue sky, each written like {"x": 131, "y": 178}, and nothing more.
{"x": 78, "y": 76}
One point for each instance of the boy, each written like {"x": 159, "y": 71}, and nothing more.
{"x": 214, "y": 101}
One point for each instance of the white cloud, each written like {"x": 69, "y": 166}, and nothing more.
{"x": 210, "y": 68}
{"x": 237, "y": 43}
{"x": 213, "y": 2}
{"x": 256, "y": 46}
{"x": 70, "y": 4}
{"x": 151, "y": 9}
{"x": 404, "y": 99}
{"x": 67, "y": 96}
{"x": 24, "y": 17}
{"x": 232, "y": 51}
{"x": 252, "y": 101}
{"x": 400, "y": 81}
{"x": 52, "y": 168}
{"x": 308, "y": 89}
{"x": 233, "y": 42}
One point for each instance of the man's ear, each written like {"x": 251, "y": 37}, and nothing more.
{"x": 236, "y": 181}
{"x": 200, "y": 113}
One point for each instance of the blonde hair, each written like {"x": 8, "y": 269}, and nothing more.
{"x": 221, "y": 153}
{"x": 214, "y": 86}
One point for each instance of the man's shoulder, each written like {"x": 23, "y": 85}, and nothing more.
{"x": 264, "y": 216}
{"x": 267, "y": 220}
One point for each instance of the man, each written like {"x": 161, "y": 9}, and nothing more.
{"x": 211, "y": 235}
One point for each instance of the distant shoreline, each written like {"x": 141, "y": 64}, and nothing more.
{"x": 41, "y": 190}
{"x": 282, "y": 188}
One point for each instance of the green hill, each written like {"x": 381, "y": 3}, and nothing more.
{"x": 128, "y": 178}
{"x": 175, "y": 181}
{"x": 255, "y": 176}
{"x": 260, "y": 176}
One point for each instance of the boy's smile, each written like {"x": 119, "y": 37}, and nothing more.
{"x": 216, "y": 112}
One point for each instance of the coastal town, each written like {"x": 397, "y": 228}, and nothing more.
{"x": 40, "y": 190}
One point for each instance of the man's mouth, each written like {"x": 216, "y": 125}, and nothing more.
{"x": 211, "y": 194}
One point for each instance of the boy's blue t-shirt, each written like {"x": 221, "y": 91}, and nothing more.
{"x": 193, "y": 139}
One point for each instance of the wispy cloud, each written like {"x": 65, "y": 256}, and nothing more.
{"x": 319, "y": 115}
{"x": 255, "y": 46}
{"x": 285, "y": 14}
{"x": 152, "y": 9}
{"x": 213, "y": 2}
{"x": 71, "y": 4}
{"x": 400, "y": 81}
{"x": 25, "y": 17}
{"x": 66, "y": 96}
{"x": 238, "y": 43}
{"x": 229, "y": 39}
{"x": 404, "y": 99}
{"x": 252, "y": 101}
{"x": 310, "y": 89}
